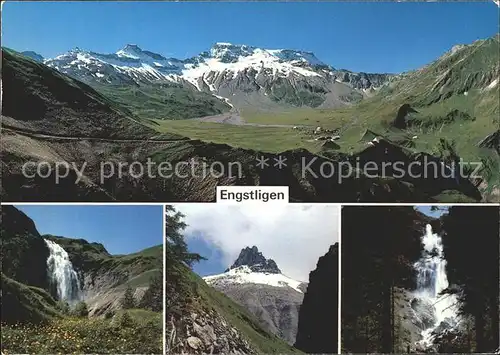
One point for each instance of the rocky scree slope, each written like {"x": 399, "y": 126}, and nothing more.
{"x": 258, "y": 285}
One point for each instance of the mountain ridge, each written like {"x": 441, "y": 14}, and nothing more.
{"x": 277, "y": 77}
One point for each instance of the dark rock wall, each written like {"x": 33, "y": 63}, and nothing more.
{"x": 318, "y": 315}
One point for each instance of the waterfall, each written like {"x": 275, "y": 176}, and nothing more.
{"x": 435, "y": 310}
{"x": 61, "y": 273}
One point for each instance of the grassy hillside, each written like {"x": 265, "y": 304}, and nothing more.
{"x": 23, "y": 303}
{"x": 60, "y": 104}
{"x": 23, "y": 253}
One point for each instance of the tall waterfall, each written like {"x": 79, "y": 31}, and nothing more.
{"x": 61, "y": 273}
{"x": 431, "y": 280}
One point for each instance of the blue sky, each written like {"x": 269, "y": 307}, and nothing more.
{"x": 214, "y": 264}
{"x": 121, "y": 229}
{"x": 437, "y": 213}
{"x": 370, "y": 37}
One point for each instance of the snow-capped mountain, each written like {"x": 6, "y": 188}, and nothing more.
{"x": 243, "y": 74}
{"x": 258, "y": 284}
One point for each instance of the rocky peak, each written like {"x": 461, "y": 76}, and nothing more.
{"x": 130, "y": 49}
{"x": 230, "y": 53}
{"x": 135, "y": 52}
{"x": 254, "y": 259}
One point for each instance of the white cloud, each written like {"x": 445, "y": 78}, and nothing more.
{"x": 295, "y": 236}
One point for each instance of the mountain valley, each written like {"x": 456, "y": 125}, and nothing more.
{"x": 110, "y": 108}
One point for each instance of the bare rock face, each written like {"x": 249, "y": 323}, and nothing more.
{"x": 206, "y": 332}
{"x": 277, "y": 308}
{"x": 254, "y": 259}
{"x": 318, "y": 317}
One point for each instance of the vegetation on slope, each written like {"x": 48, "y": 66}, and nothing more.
{"x": 163, "y": 101}
{"x": 22, "y": 303}
{"x": 187, "y": 293}
{"x": 23, "y": 253}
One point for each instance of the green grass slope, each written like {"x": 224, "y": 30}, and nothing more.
{"x": 22, "y": 303}
{"x": 59, "y": 104}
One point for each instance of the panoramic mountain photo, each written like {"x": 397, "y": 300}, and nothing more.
{"x": 250, "y": 280}
{"x": 169, "y": 100}
{"x": 82, "y": 279}
{"x": 420, "y": 279}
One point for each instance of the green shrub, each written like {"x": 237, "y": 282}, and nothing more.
{"x": 81, "y": 310}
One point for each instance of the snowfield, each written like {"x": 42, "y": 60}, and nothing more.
{"x": 244, "y": 275}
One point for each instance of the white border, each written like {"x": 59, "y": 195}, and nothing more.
{"x": 339, "y": 295}
{"x": 164, "y": 303}
{"x": 110, "y": 203}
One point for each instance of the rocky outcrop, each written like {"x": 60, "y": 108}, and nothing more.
{"x": 318, "y": 316}
{"x": 205, "y": 332}
{"x": 491, "y": 141}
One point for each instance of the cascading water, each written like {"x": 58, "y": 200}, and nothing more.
{"x": 434, "y": 309}
{"x": 61, "y": 273}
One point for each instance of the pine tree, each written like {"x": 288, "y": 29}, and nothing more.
{"x": 128, "y": 300}
{"x": 178, "y": 259}
{"x": 177, "y": 250}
